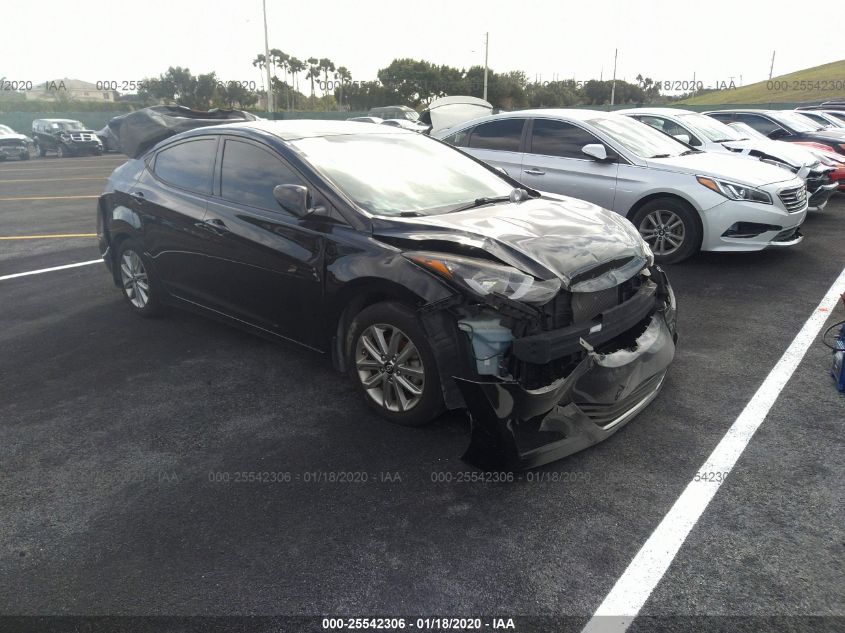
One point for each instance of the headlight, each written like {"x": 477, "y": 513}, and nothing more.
{"x": 735, "y": 191}
{"x": 484, "y": 278}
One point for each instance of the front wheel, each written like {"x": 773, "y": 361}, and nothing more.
{"x": 60, "y": 151}
{"x": 41, "y": 151}
{"x": 393, "y": 366}
{"x": 671, "y": 229}
{"x": 139, "y": 285}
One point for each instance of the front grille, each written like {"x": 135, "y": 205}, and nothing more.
{"x": 586, "y": 305}
{"x": 606, "y": 414}
{"x": 10, "y": 142}
{"x": 81, "y": 137}
{"x": 794, "y": 199}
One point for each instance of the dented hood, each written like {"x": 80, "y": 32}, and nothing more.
{"x": 588, "y": 248}
{"x": 789, "y": 153}
{"x": 722, "y": 165}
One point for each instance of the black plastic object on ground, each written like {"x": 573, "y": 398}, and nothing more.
{"x": 138, "y": 131}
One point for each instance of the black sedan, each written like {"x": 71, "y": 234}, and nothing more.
{"x": 433, "y": 280}
{"x": 785, "y": 125}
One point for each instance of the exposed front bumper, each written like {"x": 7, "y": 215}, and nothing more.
{"x": 720, "y": 219}
{"x": 820, "y": 197}
{"x": 13, "y": 151}
{"x": 515, "y": 428}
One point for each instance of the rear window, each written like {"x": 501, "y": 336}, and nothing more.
{"x": 502, "y": 135}
{"x": 187, "y": 165}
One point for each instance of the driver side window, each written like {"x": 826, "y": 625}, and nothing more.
{"x": 250, "y": 173}
{"x": 761, "y": 124}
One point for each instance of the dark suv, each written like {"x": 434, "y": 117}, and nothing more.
{"x": 66, "y": 137}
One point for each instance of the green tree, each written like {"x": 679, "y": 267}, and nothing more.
{"x": 312, "y": 74}
{"x": 342, "y": 75}
{"x": 326, "y": 65}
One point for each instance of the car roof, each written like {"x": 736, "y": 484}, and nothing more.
{"x": 751, "y": 110}
{"x": 295, "y": 129}
{"x": 656, "y": 111}
{"x": 577, "y": 114}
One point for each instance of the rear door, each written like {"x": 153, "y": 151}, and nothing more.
{"x": 171, "y": 196}
{"x": 498, "y": 143}
{"x": 268, "y": 264}
{"x": 556, "y": 163}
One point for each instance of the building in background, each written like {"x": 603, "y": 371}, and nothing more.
{"x": 71, "y": 89}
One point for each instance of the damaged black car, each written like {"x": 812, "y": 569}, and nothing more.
{"x": 433, "y": 280}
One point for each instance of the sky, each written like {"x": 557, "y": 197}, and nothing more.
{"x": 102, "y": 40}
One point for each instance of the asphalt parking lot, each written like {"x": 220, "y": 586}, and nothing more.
{"x": 127, "y": 448}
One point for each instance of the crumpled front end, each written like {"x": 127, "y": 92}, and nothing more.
{"x": 596, "y": 361}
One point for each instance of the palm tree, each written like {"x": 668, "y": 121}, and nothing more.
{"x": 343, "y": 75}
{"x": 327, "y": 66}
{"x": 280, "y": 60}
{"x": 260, "y": 62}
{"x": 313, "y": 73}
{"x": 296, "y": 67}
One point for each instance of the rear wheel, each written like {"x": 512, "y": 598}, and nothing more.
{"x": 393, "y": 366}
{"x": 670, "y": 227}
{"x": 140, "y": 287}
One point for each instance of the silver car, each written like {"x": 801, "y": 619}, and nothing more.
{"x": 680, "y": 199}
{"x": 706, "y": 133}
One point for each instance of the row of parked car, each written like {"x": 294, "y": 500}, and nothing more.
{"x": 730, "y": 180}
{"x": 491, "y": 269}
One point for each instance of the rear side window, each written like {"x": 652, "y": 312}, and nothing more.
{"x": 250, "y": 174}
{"x": 188, "y": 165}
{"x": 556, "y": 138}
{"x": 458, "y": 139}
{"x": 502, "y": 135}
{"x": 759, "y": 123}
{"x": 726, "y": 117}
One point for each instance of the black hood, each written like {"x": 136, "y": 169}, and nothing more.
{"x": 588, "y": 248}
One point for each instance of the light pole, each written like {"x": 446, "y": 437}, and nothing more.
{"x": 270, "y": 104}
{"x": 613, "y": 85}
{"x": 486, "y": 47}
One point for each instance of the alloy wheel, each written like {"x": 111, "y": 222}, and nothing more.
{"x": 390, "y": 367}
{"x": 663, "y": 230}
{"x": 136, "y": 284}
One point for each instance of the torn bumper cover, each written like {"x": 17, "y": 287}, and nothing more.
{"x": 515, "y": 428}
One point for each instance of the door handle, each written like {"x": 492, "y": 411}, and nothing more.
{"x": 215, "y": 225}
{"x": 534, "y": 171}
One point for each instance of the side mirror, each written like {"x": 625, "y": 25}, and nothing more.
{"x": 502, "y": 171}
{"x": 595, "y": 150}
{"x": 294, "y": 199}
{"x": 778, "y": 134}
{"x": 683, "y": 138}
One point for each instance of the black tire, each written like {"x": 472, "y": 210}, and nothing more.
{"x": 25, "y": 155}
{"x": 671, "y": 226}
{"x": 393, "y": 379}
{"x": 41, "y": 151}
{"x": 60, "y": 151}
{"x": 133, "y": 291}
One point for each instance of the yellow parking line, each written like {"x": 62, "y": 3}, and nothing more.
{"x": 55, "y": 179}
{"x": 38, "y": 237}
{"x": 49, "y": 198}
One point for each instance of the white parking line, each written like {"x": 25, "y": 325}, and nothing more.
{"x": 49, "y": 270}
{"x": 629, "y": 594}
